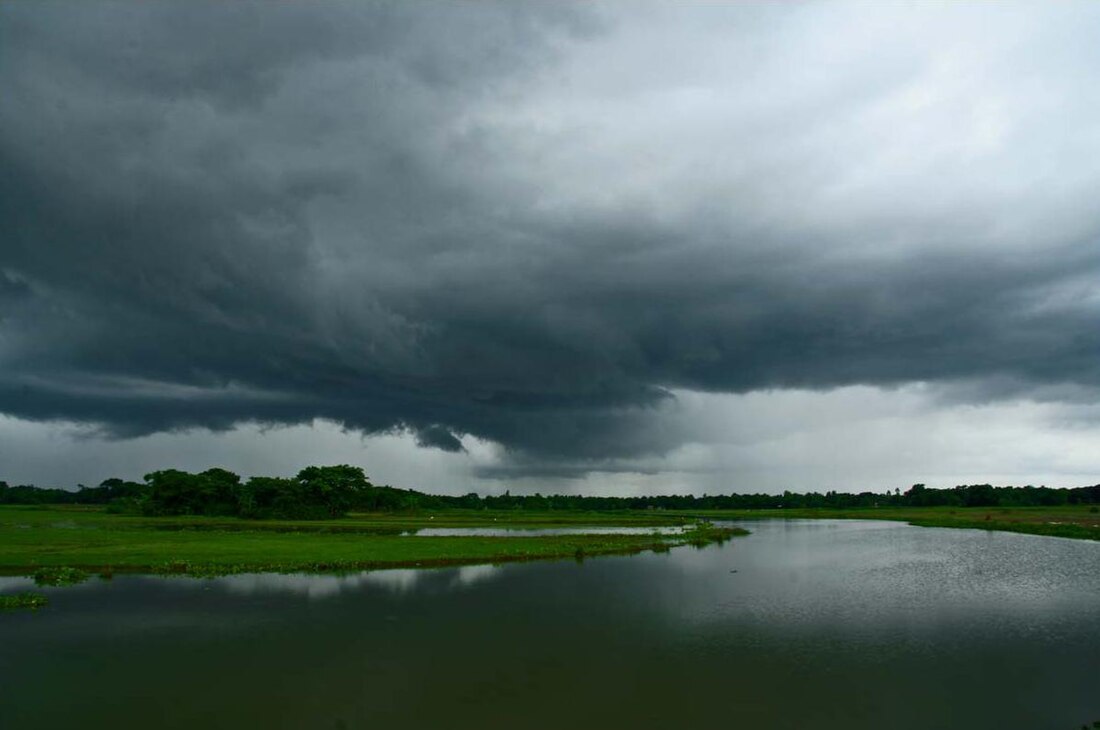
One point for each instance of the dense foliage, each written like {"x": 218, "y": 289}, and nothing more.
{"x": 317, "y": 492}
{"x": 330, "y": 491}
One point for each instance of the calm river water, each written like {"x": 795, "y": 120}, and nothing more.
{"x": 802, "y": 624}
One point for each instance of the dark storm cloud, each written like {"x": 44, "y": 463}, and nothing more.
{"x": 424, "y": 217}
{"x": 438, "y": 437}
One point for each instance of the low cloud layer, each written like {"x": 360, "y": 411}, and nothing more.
{"x": 539, "y": 226}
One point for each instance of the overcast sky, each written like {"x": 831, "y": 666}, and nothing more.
{"x": 606, "y": 247}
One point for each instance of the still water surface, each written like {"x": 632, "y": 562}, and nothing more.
{"x": 802, "y": 624}
{"x": 536, "y": 531}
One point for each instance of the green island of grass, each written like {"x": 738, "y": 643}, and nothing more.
{"x": 41, "y": 540}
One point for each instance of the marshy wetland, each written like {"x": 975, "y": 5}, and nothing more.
{"x": 94, "y": 541}
{"x": 867, "y": 623}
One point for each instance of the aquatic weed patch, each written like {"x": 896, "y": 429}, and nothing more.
{"x": 17, "y": 601}
{"x": 59, "y": 576}
{"x": 707, "y": 533}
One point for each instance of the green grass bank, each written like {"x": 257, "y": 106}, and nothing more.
{"x": 94, "y": 541}
{"x": 1081, "y": 522}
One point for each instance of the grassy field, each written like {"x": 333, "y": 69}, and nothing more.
{"x": 96, "y": 541}
{"x": 368, "y": 522}
{"x": 1080, "y": 522}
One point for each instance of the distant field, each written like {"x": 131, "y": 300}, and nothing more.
{"x": 1080, "y": 522}
{"x": 97, "y": 541}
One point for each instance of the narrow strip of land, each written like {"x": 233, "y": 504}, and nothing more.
{"x": 1081, "y": 522}
{"x": 95, "y": 541}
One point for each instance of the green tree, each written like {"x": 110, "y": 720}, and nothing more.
{"x": 333, "y": 488}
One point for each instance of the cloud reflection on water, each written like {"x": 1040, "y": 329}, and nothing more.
{"x": 396, "y": 581}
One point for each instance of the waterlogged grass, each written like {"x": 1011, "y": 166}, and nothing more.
{"x": 17, "y": 601}
{"x": 86, "y": 541}
{"x": 59, "y": 576}
{"x": 1081, "y": 522}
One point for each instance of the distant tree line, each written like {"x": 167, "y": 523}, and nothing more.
{"x": 317, "y": 492}
{"x": 320, "y": 492}
{"x": 971, "y": 495}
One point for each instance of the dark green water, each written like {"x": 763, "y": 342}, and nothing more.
{"x": 823, "y": 625}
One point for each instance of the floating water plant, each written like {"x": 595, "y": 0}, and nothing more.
{"x": 59, "y": 576}
{"x": 15, "y": 601}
